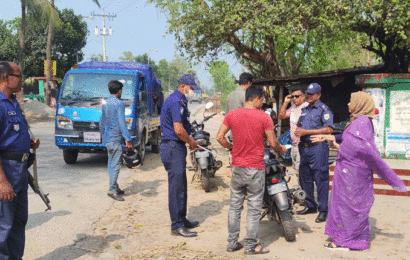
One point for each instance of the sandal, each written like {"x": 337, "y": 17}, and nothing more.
{"x": 257, "y": 249}
{"x": 335, "y": 247}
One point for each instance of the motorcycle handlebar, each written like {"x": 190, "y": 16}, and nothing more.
{"x": 209, "y": 117}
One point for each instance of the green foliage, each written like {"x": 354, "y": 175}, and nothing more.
{"x": 70, "y": 38}
{"x": 96, "y": 57}
{"x": 383, "y": 27}
{"x": 170, "y": 72}
{"x": 8, "y": 42}
{"x": 127, "y": 56}
{"x": 276, "y": 37}
{"x": 144, "y": 59}
{"x": 223, "y": 79}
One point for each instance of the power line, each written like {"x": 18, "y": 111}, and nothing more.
{"x": 104, "y": 32}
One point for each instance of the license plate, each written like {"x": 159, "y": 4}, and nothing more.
{"x": 202, "y": 154}
{"x": 92, "y": 137}
{"x": 276, "y": 188}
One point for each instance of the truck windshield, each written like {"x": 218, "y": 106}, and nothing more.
{"x": 87, "y": 86}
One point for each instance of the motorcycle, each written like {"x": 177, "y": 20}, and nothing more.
{"x": 278, "y": 199}
{"x": 203, "y": 157}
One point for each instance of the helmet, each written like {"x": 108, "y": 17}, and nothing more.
{"x": 131, "y": 158}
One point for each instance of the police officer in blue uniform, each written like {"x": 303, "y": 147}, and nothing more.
{"x": 315, "y": 119}
{"x": 176, "y": 131}
{"x": 15, "y": 146}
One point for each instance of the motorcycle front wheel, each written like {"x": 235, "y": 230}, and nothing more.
{"x": 287, "y": 223}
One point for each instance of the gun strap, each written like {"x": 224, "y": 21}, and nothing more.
{"x": 35, "y": 176}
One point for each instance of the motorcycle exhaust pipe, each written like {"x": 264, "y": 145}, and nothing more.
{"x": 281, "y": 200}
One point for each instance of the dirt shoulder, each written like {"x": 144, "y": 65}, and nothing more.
{"x": 139, "y": 228}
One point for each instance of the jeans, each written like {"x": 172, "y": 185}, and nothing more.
{"x": 114, "y": 150}
{"x": 294, "y": 153}
{"x": 250, "y": 182}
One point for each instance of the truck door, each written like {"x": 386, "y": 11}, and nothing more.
{"x": 142, "y": 107}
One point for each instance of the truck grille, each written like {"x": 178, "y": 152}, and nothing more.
{"x": 86, "y": 126}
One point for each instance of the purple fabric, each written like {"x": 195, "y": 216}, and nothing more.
{"x": 352, "y": 193}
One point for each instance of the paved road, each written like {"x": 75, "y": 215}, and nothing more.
{"x": 78, "y": 195}
{"x": 78, "y": 198}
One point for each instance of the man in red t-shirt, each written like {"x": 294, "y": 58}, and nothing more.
{"x": 249, "y": 127}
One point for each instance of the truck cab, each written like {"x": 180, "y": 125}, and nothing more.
{"x": 82, "y": 95}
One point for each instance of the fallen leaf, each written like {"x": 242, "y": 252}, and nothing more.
{"x": 103, "y": 228}
{"x": 138, "y": 226}
{"x": 118, "y": 247}
{"x": 200, "y": 231}
{"x": 300, "y": 249}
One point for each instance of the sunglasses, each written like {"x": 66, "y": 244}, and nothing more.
{"x": 16, "y": 75}
{"x": 295, "y": 96}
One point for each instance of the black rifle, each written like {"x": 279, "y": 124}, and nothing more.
{"x": 43, "y": 196}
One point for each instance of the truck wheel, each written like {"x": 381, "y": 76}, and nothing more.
{"x": 142, "y": 148}
{"x": 70, "y": 156}
{"x": 205, "y": 180}
{"x": 155, "y": 147}
{"x": 288, "y": 225}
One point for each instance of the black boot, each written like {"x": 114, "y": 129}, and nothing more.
{"x": 183, "y": 232}
{"x": 306, "y": 210}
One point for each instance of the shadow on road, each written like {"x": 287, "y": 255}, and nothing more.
{"x": 376, "y": 231}
{"x": 146, "y": 188}
{"x": 37, "y": 219}
{"x": 206, "y": 209}
{"x": 85, "y": 244}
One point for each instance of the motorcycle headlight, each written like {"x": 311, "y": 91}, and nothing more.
{"x": 202, "y": 142}
{"x": 64, "y": 123}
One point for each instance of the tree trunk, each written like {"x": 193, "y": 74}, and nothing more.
{"x": 20, "y": 95}
{"x": 47, "y": 87}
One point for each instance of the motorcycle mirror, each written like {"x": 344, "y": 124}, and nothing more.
{"x": 209, "y": 105}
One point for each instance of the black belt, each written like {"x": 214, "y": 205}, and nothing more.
{"x": 168, "y": 141}
{"x": 20, "y": 157}
{"x": 307, "y": 145}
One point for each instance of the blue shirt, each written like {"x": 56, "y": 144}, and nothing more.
{"x": 315, "y": 117}
{"x": 14, "y": 135}
{"x": 113, "y": 127}
{"x": 175, "y": 109}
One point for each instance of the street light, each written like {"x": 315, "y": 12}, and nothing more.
{"x": 149, "y": 51}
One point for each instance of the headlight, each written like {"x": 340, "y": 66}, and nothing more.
{"x": 202, "y": 142}
{"x": 64, "y": 123}
{"x": 128, "y": 111}
{"x": 128, "y": 120}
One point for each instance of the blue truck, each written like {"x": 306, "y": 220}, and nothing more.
{"x": 83, "y": 92}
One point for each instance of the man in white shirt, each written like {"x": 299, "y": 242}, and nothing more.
{"x": 293, "y": 113}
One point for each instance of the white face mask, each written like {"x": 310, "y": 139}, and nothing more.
{"x": 190, "y": 95}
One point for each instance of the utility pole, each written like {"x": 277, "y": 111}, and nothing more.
{"x": 104, "y": 31}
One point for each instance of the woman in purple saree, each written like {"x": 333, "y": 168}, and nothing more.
{"x": 352, "y": 193}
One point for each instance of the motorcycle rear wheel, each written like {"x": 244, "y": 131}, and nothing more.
{"x": 205, "y": 180}
{"x": 287, "y": 223}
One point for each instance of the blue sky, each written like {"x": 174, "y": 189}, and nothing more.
{"x": 138, "y": 27}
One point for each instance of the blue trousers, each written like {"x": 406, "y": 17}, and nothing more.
{"x": 14, "y": 214}
{"x": 314, "y": 167}
{"x": 114, "y": 151}
{"x": 173, "y": 156}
